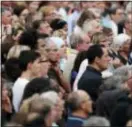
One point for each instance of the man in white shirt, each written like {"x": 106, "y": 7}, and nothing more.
{"x": 29, "y": 62}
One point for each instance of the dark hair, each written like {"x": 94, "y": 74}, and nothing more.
{"x": 18, "y": 9}
{"x": 12, "y": 69}
{"x": 28, "y": 38}
{"x": 27, "y": 57}
{"x": 93, "y": 52}
{"x": 36, "y": 24}
{"x": 112, "y": 10}
{"x": 57, "y": 24}
{"x": 79, "y": 58}
{"x": 37, "y": 85}
{"x": 86, "y": 14}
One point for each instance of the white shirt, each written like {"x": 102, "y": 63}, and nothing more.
{"x": 18, "y": 90}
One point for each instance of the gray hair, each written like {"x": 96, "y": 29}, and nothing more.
{"x": 75, "y": 39}
{"x": 51, "y": 95}
{"x": 123, "y": 71}
{"x": 129, "y": 7}
{"x": 74, "y": 101}
{"x": 96, "y": 121}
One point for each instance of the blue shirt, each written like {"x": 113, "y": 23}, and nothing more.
{"x": 74, "y": 121}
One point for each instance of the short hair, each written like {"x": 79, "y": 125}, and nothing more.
{"x": 74, "y": 101}
{"x": 123, "y": 70}
{"x": 36, "y": 86}
{"x": 93, "y": 52}
{"x": 75, "y": 39}
{"x": 12, "y": 69}
{"x": 96, "y": 121}
{"x": 28, "y": 38}
{"x": 113, "y": 82}
{"x": 27, "y": 57}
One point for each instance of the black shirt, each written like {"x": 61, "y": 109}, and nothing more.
{"x": 90, "y": 82}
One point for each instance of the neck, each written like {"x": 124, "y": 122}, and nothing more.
{"x": 80, "y": 113}
{"x": 26, "y": 75}
{"x": 95, "y": 67}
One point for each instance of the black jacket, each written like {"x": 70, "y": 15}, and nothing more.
{"x": 90, "y": 82}
{"x": 122, "y": 112}
{"x": 107, "y": 101}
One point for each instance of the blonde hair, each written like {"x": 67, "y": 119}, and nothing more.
{"x": 97, "y": 37}
{"x": 46, "y": 10}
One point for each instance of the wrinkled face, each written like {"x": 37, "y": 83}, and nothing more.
{"x": 85, "y": 44}
{"x": 103, "y": 62}
{"x": 7, "y": 17}
{"x": 35, "y": 68}
{"x": 87, "y": 104}
{"x": 126, "y": 46}
{"x": 45, "y": 28}
{"x": 52, "y": 52}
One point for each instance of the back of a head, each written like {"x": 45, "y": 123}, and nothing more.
{"x": 96, "y": 121}
{"x": 28, "y": 38}
{"x": 51, "y": 95}
{"x": 74, "y": 100}
{"x": 37, "y": 85}
{"x": 123, "y": 71}
{"x": 12, "y": 69}
{"x": 27, "y": 57}
{"x": 93, "y": 52}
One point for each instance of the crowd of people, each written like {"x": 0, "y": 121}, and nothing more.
{"x": 66, "y": 64}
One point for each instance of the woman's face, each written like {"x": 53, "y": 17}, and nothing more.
{"x": 62, "y": 51}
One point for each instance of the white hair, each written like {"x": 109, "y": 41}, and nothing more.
{"x": 50, "y": 95}
{"x": 120, "y": 39}
{"x": 96, "y": 121}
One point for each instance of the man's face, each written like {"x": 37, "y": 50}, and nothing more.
{"x": 103, "y": 62}
{"x": 119, "y": 16}
{"x": 7, "y": 17}
{"x": 41, "y": 46}
{"x": 35, "y": 68}
{"x": 45, "y": 65}
{"x": 45, "y": 28}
